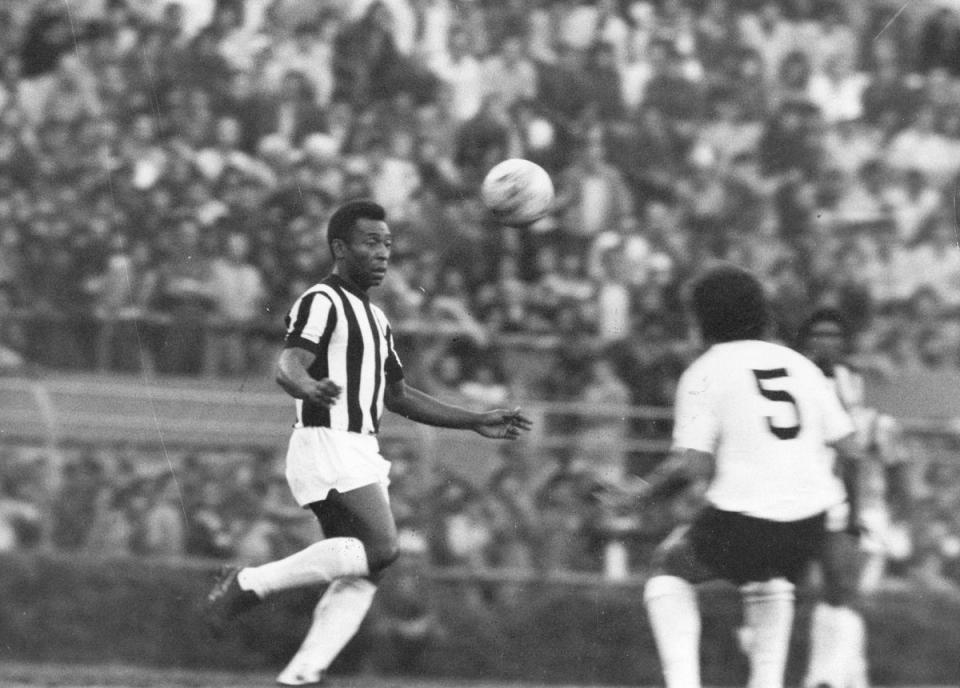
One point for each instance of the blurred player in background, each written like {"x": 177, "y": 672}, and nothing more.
{"x": 757, "y": 421}
{"x": 853, "y": 555}
{"x": 340, "y": 365}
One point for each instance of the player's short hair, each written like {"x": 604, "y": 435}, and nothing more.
{"x": 345, "y": 218}
{"x": 821, "y": 315}
{"x": 730, "y": 305}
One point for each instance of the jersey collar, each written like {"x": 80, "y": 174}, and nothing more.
{"x": 337, "y": 280}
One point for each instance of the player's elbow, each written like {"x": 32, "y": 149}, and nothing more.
{"x": 280, "y": 377}
{"x": 395, "y": 400}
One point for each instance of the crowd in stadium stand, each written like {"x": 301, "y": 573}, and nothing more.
{"x": 166, "y": 171}
{"x": 527, "y": 515}
{"x": 167, "y": 166}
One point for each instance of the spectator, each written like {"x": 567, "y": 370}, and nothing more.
{"x": 838, "y": 90}
{"x": 309, "y": 53}
{"x": 768, "y": 33}
{"x": 564, "y": 88}
{"x": 606, "y": 89}
{"x": 672, "y": 91}
{"x": 921, "y": 147}
{"x": 748, "y": 84}
{"x": 294, "y": 113}
{"x": 835, "y": 42}
{"x": 509, "y": 73}
{"x": 914, "y": 203}
{"x": 600, "y": 441}
{"x": 75, "y": 507}
{"x": 936, "y": 260}
{"x": 208, "y": 533}
{"x": 183, "y": 294}
{"x": 939, "y": 44}
{"x": 716, "y": 33}
{"x": 563, "y": 544}
{"x": 20, "y": 516}
{"x": 238, "y": 293}
{"x": 366, "y": 59}
{"x": 162, "y": 520}
{"x": 515, "y": 520}
{"x": 395, "y": 178}
{"x": 485, "y": 139}
{"x": 460, "y": 70}
{"x": 593, "y": 197}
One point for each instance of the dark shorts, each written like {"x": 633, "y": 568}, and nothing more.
{"x": 742, "y": 549}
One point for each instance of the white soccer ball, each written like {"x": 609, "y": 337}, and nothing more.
{"x": 517, "y": 192}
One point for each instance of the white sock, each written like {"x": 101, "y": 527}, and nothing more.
{"x": 837, "y": 646}
{"x": 675, "y": 619}
{"x": 336, "y": 619}
{"x": 857, "y": 670}
{"x": 321, "y": 562}
{"x": 768, "y": 614}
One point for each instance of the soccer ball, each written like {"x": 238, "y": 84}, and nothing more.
{"x": 517, "y": 192}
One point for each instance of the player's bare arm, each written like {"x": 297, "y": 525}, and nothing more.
{"x": 681, "y": 467}
{"x": 293, "y": 376}
{"x": 849, "y": 460}
{"x": 420, "y": 407}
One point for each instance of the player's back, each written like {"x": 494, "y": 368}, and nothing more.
{"x": 766, "y": 414}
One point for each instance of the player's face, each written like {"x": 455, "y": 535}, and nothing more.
{"x": 825, "y": 343}
{"x": 366, "y": 255}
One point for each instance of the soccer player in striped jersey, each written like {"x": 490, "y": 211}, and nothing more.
{"x": 837, "y": 656}
{"x": 340, "y": 365}
{"x": 756, "y": 421}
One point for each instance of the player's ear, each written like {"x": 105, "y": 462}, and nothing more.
{"x": 338, "y": 247}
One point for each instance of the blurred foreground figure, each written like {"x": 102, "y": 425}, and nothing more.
{"x": 757, "y": 421}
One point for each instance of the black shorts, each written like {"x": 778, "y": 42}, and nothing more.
{"x": 743, "y": 549}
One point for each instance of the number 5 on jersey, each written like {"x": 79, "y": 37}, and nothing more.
{"x": 783, "y": 432}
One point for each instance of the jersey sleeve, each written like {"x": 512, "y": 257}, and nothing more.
{"x": 837, "y": 423}
{"x": 696, "y": 423}
{"x": 310, "y": 322}
{"x": 393, "y": 369}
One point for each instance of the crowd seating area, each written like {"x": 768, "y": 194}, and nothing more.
{"x": 167, "y": 168}
{"x": 532, "y": 514}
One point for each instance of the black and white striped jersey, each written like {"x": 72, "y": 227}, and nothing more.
{"x": 354, "y": 346}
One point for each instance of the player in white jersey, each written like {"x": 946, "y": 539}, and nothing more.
{"x": 837, "y": 656}
{"x": 340, "y": 365}
{"x": 756, "y": 420}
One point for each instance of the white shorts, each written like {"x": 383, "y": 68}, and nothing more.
{"x": 321, "y": 459}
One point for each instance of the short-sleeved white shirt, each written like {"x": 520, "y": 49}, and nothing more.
{"x": 767, "y": 414}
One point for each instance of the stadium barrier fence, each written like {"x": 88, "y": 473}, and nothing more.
{"x": 490, "y": 625}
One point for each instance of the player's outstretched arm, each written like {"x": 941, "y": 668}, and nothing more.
{"x": 419, "y": 406}
{"x": 681, "y": 467}
{"x": 293, "y": 376}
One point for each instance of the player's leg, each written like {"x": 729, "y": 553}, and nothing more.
{"x": 770, "y": 556}
{"x": 837, "y": 656}
{"x": 366, "y": 546}
{"x": 768, "y": 608}
{"x": 672, "y": 608}
{"x": 363, "y": 514}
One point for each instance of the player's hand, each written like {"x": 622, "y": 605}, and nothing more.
{"x": 324, "y": 392}
{"x": 630, "y": 491}
{"x": 501, "y": 424}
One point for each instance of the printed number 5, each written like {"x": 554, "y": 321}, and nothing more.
{"x": 782, "y": 432}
